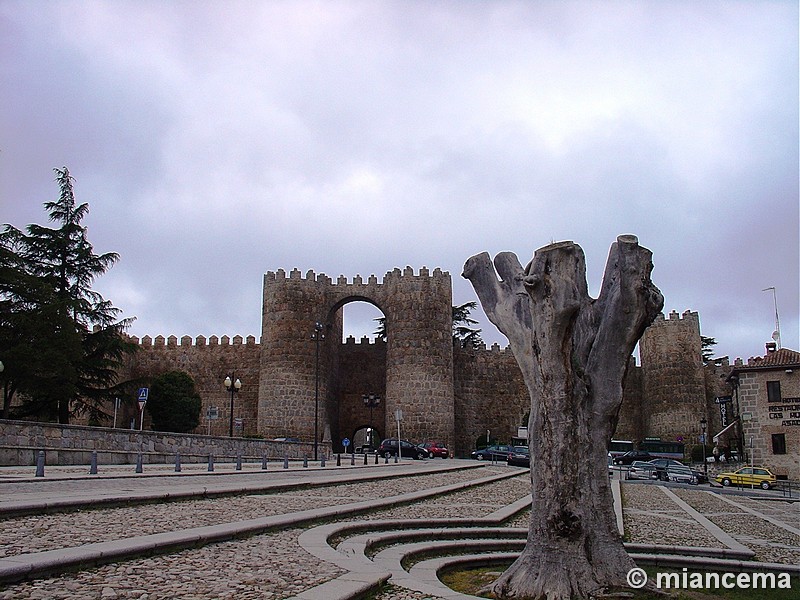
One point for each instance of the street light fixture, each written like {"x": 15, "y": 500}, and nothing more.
{"x": 233, "y": 386}
{"x": 316, "y": 336}
{"x": 371, "y": 401}
{"x": 703, "y": 424}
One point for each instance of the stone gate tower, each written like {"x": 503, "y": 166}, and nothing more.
{"x": 296, "y": 382}
{"x": 673, "y": 379}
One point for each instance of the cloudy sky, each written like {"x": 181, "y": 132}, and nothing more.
{"x": 215, "y": 141}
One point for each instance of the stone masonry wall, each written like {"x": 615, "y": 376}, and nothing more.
{"x": 489, "y": 395}
{"x": 673, "y": 380}
{"x": 768, "y": 418}
{"x": 362, "y": 370}
{"x": 419, "y": 359}
{"x": 20, "y": 442}
{"x": 207, "y": 361}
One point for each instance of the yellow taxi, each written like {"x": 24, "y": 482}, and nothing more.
{"x": 748, "y": 476}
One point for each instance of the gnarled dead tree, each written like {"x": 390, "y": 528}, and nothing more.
{"x": 573, "y": 352}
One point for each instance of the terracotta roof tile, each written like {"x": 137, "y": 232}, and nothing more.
{"x": 780, "y": 358}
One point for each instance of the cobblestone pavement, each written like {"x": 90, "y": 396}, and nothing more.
{"x": 650, "y": 515}
{"x": 273, "y": 565}
{"x": 46, "y": 532}
{"x": 770, "y": 542}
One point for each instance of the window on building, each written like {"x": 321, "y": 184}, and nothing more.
{"x": 773, "y": 391}
{"x": 779, "y": 443}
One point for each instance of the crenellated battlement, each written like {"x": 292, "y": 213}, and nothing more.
{"x": 674, "y": 317}
{"x": 187, "y": 340}
{"x": 311, "y": 277}
{"x": 364, "y": 341}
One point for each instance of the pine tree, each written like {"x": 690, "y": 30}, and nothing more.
{"x": 61, "y": 318}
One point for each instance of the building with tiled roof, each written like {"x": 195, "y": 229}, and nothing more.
{"x": 767, "y": 390}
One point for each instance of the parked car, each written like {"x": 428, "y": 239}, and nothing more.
{"x": 496, "y": 452}
{"x": 629, "y": 457}
{"x": 661, "y": 465}
{"x": 748, "y": 476}
{"x": 436, "y": 449}
{"x": 519, "y": 456}
{"x": 388, "y": 448}
{"x": 680, "y": 474}
{"x": 700, "y": 476}
{"x": 640, "y": 469}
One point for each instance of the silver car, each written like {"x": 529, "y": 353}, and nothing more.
{"x": 642, "y": 470}
{"x": 680, "y": 474}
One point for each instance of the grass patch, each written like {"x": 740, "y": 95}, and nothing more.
{"x": 471, "y": 581}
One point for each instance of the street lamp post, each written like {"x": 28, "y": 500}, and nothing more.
{"x": 233, "y": 385}
{"x": 316, "y": 336}
{"x": 371, "y": 401}
{"x": 703, "y": 423}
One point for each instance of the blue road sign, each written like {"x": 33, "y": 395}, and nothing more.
{"x": 346, "y": 442}
{"x": 142, "y": 394}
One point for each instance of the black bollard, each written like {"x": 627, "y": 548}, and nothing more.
{"x": 365, "y": 459}
{"x": 177, "y": 462}
{"x": 352, "y": 459}
{"x": 322, "y": 462}
{"x": 40, "y": 464}
{"x": 139, "y": 463}
{"x": 338, "y": 460}
{"x": 386, "y": 460}
{"x": 264, "y": 462}
{"x": 285, "y": 462}
{"x": 239, "y": 461}
{"x": 93, "y": 463}
{"x": 376, "y": 458}
{"x": 210, "y": 463}
{"x": 396, "y": 457}
{"x": 305, "y": 462}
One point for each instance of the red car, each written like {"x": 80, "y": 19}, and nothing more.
{"x": 436, "y": 450}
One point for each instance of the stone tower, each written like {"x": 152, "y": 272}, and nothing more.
{"x": 295, "y": 384}
{"x": 673, "y": 379}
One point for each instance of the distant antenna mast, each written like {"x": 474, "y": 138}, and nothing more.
{"x": 776, "y": 335}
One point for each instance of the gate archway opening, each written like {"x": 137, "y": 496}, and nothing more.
{"x": 359, "y": 390}
{"x": 367, "y": 439}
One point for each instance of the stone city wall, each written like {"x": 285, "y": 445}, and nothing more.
{"x": 208, "y": 362}
{"x": 673, "y": 380}
{"x": 490, "y": 394}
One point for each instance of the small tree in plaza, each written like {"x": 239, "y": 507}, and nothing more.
{"x": 173, "y": 403}
{"x": 573, "y": 352}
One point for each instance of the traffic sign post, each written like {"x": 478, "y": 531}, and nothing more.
{"x": 345, "y": 443}
{"x": 141, "y": 398}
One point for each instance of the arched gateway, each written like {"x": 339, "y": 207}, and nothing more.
{"x": 296, "y": 382}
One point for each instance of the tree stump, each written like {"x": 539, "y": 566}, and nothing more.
{"x": 573, "y": 352}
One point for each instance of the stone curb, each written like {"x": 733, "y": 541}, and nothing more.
{"x": 459, "y": 535}
{"x": 716, "y": 564}
{"x": 15, "y": 568}
{"x": 31, "y": 507}
{"x": 616, "y": 494}
{"x": 315, "y": 541}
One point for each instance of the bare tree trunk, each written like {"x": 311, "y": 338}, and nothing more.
{"x": 573, "y": 352}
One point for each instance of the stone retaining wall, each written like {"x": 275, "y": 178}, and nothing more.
{"x": 20, "y": 441}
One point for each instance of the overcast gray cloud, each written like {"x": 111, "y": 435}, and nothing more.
{"x": 215, "y": 141}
